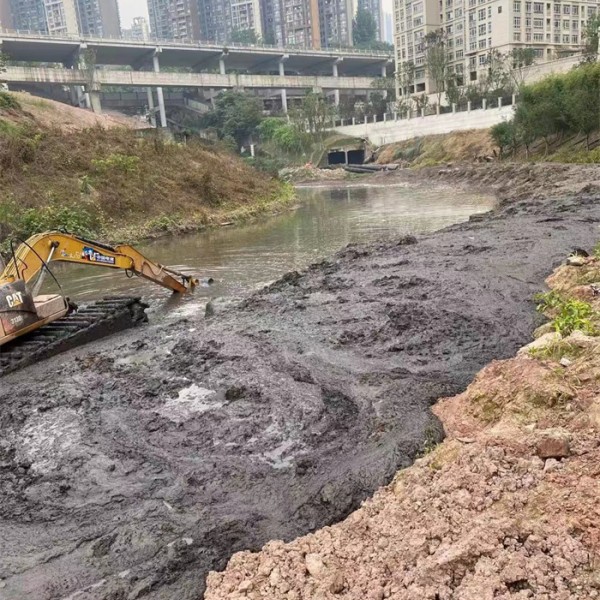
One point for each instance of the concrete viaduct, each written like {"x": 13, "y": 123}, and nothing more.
{"x": 154, "y": 65}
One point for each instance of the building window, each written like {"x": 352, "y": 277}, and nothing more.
{"x": 538, "y": 37}
{"x": 417, "y": 7}
{"x": 482, "y": 43}
{"x": 528, "y": 7}
{"x": 418, "y": 22}
{"x": 482, "y": 29}
{"x": 566, "y": 25}
{"x": 538, "y": 23}
{"x": 575, "y": 11}
{"x": 538, "y": 7}
{"x": 517, "y": 22}
{"x": 489, "y": 12}
{"x": 482, "y": 59}
{"x": 517, "y": 36}
{"x": 517, "y": 6}
{"x": 574, "y": 39}
{"x": 566, "y": 9}
{"x": 473, "y": 45}
{"x": 565, "y": 39}
{"x": 557, "y": 9}
{"x": 499, "y": 9}
{"x": 575, "y": 25}
{"x": 459, "y": 54}
{"x": 481, "y": 14}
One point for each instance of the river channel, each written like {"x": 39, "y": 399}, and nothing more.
{"x": 241, "y": 259}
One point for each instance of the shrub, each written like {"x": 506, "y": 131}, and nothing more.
{"x": 8, "y": 101}
{"x": 117, "y": 162}
{"x": 575, "y": 315}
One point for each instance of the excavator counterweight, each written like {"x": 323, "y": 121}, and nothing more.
{"x": 24, "y": 313}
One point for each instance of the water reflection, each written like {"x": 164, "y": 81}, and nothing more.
{"x": 241, "y": 259}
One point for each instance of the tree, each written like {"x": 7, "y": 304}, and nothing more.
{"x": 590, "y": 35}
{"x": 364, "y": 28}
{"x": 582, "y": 100}
{"x": 519, "y": 60}
{"x": 436, "y": 59}
{"x": 387, "y": 86}
{"x": 314, "y": 113}
{"x": 236, "y": 116}
{"x": 244, "y": 36}
{"x": 406, "y": 77}
{"x": 497, "y": 80}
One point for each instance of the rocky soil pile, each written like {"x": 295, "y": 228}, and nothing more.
{"x": 505, "y": 508}
{"x": 132, "y": 467}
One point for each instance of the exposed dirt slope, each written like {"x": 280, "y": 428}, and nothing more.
{"x": 131, "y": 468}
{"x": 69, "y": 118}
{"x": 505, "y": 508}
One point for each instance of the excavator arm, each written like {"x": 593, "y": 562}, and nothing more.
{"x": 31, "y": 256}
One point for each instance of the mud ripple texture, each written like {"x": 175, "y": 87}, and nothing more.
{"x": 131, "y": 468}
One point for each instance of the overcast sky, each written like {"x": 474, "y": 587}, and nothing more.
{"x": 139, "y": 8}
{"x": 132, "y": 8}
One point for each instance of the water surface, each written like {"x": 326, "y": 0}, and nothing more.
{"x": 241, "y": 259}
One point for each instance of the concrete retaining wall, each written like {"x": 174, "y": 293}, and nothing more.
{"x": 396, "y": 131}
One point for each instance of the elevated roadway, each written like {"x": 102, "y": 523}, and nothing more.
{"x": 90, "y": 63}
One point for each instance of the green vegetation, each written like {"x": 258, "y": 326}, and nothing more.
{"x": 546, "y": 301}
{"x": 557, "y": 106}
{"x": 569, "y": 314}
{"x": 114, "y": 184}
{"x": 364, "y": 32}
{"x": 245, "y": 36}
{"x": 575, "y": 315}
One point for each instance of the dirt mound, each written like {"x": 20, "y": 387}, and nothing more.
{"x": 131, "y": 468}
{"x": 504, "y": 508}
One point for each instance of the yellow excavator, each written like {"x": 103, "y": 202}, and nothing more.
{"x": 33, "y": 326}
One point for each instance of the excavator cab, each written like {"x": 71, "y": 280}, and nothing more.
{"x": 21, "y": 313}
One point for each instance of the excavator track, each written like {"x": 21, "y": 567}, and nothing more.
{"x": 87, "y": 324}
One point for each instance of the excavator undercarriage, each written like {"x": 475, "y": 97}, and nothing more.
{"x": 34, "y": 327}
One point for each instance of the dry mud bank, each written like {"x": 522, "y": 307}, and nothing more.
{"x": 131, "y": 468}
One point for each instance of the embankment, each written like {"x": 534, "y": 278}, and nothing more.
{"x": 505, "y": 508}
{"x": 103, "y": 178}
{"x": 133, "y": 467}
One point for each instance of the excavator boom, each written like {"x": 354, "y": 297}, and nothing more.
{"x": 34, "y": 326}
{"x": 31, "y": 256}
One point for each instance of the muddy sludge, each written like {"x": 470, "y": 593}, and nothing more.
{"x": 130, "y": 468}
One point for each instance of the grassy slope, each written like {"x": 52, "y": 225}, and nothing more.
{"x": 469, "y": 146}
{"x": 104, "y": 179}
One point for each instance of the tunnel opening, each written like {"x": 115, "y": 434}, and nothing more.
{"x": 336, "y": 157}
{"x": 356, "y": 157}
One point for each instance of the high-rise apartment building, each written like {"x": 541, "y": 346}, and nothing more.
{"x": 174, "y": 19}
{"x": 46, "y": 16}
{"x": 139, "y": 30}
{"x": 99, "y": 18}
{"x": 475, "y": 27}
{"x": 335, "y": 21}
{"x": 376, "y": 9}
{"x": 291, "y": 23}
{"x": 88, "y": 17}
{"x": 6, "y": 20}
{"x": 220, "y": 18}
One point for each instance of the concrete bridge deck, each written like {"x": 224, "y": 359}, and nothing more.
{"x": 28, "y": 47}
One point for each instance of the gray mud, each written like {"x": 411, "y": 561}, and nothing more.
{"x": 130, "y": 468}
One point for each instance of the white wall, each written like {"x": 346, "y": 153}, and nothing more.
{"x": 396, "y": 131}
